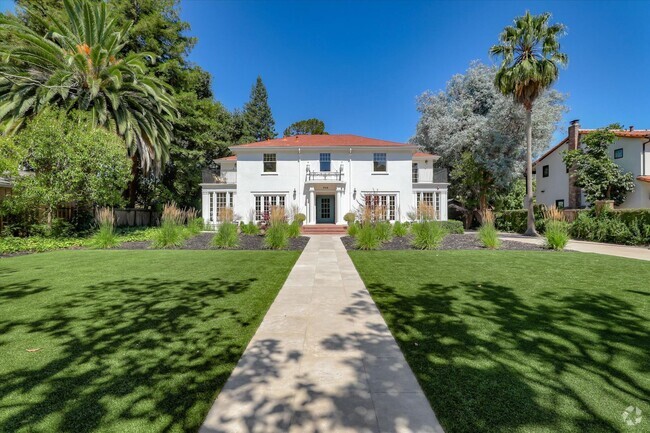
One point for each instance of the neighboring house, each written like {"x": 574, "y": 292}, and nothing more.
{"x": 631, "y": 151}
{"x": 325, "y": 176}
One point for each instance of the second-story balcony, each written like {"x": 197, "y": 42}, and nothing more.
{"x": 224, "y": 177}
{"x": 325, "y": 176}
{"x": 438, "y": 175}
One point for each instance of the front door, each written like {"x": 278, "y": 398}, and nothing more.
{"x": 325, "y": 209}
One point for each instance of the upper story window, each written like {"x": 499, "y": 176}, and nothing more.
{"x": 618, "y": 153}
{"x": 545, "y": 171}
{"x": 414, "y": 172}
{"x": 325, "y": 162}
{"x": 379, "y": 161}
{"x": 270, "y": 163}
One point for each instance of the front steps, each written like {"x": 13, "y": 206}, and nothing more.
{"x": 324, "y": 229}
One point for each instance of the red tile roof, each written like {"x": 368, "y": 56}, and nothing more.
{"x": 333, "y": 140}
{"x": 637, "y": 133}
{"x": 228, "y": 158}
{"x": 423, "y": 155}
{"x": 643, "y": 178}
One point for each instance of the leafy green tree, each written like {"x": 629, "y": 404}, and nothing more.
{"x": 257, "y": 114}
{"x": 70, "y": 161}
{"x": 513, "y": 197}
{"x": 10, "y": 157}
{"x": 531, "y": 57}
{"x": 306, "y": 127}
{"x": 78, "y": 65}
{"x": 595, "y": 172}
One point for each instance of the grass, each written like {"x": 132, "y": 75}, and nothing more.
{"x": 525, "y": 342}
{"x": 226, "y": 236}
{"x": 126, "y": 341}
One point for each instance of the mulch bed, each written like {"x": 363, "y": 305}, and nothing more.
{"x": 202, "y": 241}
{"x": 451, "y": 242}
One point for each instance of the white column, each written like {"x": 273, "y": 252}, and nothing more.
{"x": 338, "y": 206}
{"x": 443, "y": 205}
{"x": 205, "y": 205}
{"x": 312, "y": 206}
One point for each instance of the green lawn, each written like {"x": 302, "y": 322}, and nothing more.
{"x": 510, "y": 341}
{"x": 129, "y": 341}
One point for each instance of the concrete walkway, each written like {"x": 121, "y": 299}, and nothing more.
{"x": 323, "y": 360}
{"x": 630, "y": 252}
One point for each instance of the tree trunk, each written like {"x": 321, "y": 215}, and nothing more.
{"x": 133, "y": 185}
{"x": 530, "y": 229}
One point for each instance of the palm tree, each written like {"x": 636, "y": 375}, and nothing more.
{"x": 531, "y": 57}
{"x": 77, "y": 65}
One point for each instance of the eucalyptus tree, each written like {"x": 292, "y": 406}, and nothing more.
{"x": 77, "y": 64}
{"x": 531, "y": 57}
{"x": 480, "y": 133}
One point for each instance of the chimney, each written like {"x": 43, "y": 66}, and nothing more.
{"x": 574, "y": 134}
{"x": 574, "y": 142}
{"x": 631, "y": 128}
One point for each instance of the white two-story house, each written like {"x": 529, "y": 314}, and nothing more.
{"x": 631, "y": 151}
{"x": 325, "y": 177}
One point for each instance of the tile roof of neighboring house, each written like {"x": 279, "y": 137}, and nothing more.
{"x": 643, "y": 178}
{"x": 423, "y": 155}
{"x": 638, "y": 133}
{"x": 227, "y": 158}
{"x": 333, "y": 140}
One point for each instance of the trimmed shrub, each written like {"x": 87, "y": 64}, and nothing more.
{"x": 384, "y": 231}
{"x": 276, "y": 237}
{"x": 366, "y": 238}
{"x": 349, "y": 218}
{"x": 105, "y": 236}
{"x": 293, "y": 230}
{"x": 299, "y": 218}
{"x": 353, "y": 229}
{"x": 427, "y": 235}
{"x": 556, "y": 234}
{"x": 619, "y": 227}
{"x": 452, "y": 227}
{"x": 400, "y": 229}
{"x": 250, "y": 228}
{"x": 226, "y": 236}
{"x": 517, "y": 220}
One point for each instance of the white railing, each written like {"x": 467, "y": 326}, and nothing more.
{"x": 324, "y": 175}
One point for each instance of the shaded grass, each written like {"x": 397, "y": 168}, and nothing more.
{"x": 505, "y": 341}
{"x": 128, "y": 341}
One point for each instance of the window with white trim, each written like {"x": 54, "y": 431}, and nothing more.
{"x": 263, "y": 204}
{"x": 270, "y": 163}
{"x": 430, "y": 199}
{"x": 218, "y": 201}
{"x": 414, "y": 172}
{"x": 325, "y": 161}
{"x": 387, "y": 202}
{"x": 379, "y": 162}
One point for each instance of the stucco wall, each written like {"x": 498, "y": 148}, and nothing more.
{"x": 556, "y": 185}
{"x": 358, "y": 177}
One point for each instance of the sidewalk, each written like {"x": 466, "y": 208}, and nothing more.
{"x": 323, "y": 360}
{"x": 641, "y": 253}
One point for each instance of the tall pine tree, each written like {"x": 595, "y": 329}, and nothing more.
{"x": 257, "y": 114}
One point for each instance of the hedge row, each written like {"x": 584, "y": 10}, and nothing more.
{"x": 620, "y": 226}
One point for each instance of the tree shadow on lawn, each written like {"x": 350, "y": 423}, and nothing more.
{"x": 490, "y": 361}
{"x": 137, "y": 354}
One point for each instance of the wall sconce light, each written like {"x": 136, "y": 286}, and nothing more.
{"x": 354, "y": 194}
{"x": 294, "y": 193}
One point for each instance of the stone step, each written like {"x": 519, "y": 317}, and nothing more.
{"x": 324, "y": 229}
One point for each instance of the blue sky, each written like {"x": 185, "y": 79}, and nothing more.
{"x": 360, "y": 65}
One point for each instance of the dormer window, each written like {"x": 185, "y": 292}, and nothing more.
{"x": 379, "y": 162}
{"x": 270, "y": 163}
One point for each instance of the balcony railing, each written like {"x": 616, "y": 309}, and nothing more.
{"x": 324, "y": 175}
{"x": 226, "y": 177}
{"x": 439, "y": 175}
